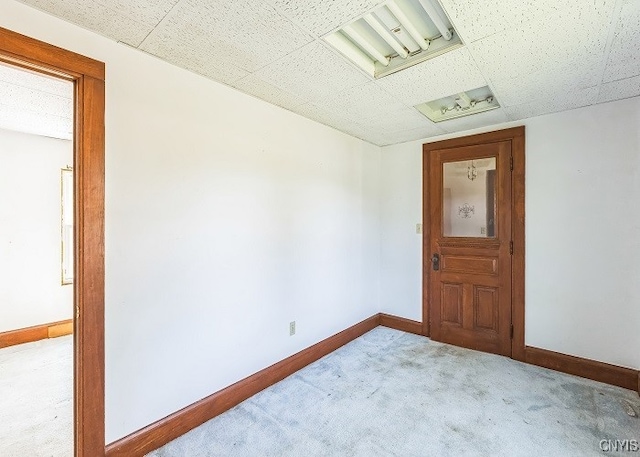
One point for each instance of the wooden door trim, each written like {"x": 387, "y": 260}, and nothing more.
{"x": 89, "y": 138}
{"x": 516, "y": 136}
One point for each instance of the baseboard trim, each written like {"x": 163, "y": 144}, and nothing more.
{"x": 400, "y": 323}
{"x": 585, "y": 368}
{"x": 177, "y": 424}
{"x": 36, "y": 333}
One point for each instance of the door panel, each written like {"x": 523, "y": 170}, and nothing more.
{"x": 452, "y": 303}
{"x": 486, "y": 308}
{"x": 469, "y": 264}
{"x": 470, "y": 235}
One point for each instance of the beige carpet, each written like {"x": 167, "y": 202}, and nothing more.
{"x": 390, "y": 393}
{"x": 36, "y": 399}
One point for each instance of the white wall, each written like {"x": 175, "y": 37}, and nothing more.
{"x": 401, "y": 246}
{"x": 226, "y": 218}
{"x": 582, "y": 231}
{"x": 31, "y": 292}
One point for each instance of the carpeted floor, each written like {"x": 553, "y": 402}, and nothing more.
{"x": 36, "y": 399}
{"x": 395, "y": 394}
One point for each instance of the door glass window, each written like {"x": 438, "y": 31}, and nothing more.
{"x": 469, "y": 198}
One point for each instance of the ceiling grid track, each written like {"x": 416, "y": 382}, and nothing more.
{"x": 607, "y": 50}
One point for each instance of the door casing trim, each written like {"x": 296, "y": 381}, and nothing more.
{"x": 88, "y": 76}
{"x": 516, "y": 135}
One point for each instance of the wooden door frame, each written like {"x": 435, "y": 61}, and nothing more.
{"x": 516, "y": 136}
{"x": 88, "y": 76}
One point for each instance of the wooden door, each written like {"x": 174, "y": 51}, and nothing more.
{"x": 470, "y": 246}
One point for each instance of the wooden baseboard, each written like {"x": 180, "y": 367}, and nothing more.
{"x": 177, "y": 424}
{"x": 60, "y": 329}
{"x": 171, "y": 427}
{"x": 586, "y": 368}
{"x": 400, "y": 323}
{"x": 36, "y": 333}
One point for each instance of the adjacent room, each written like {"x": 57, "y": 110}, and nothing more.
{"x": 36, "y": 293}
{"x": 314, "y": 227}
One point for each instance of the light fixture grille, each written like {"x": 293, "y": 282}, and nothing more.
{"x": 458, "y": 105}
{"x": 395, "y": 36}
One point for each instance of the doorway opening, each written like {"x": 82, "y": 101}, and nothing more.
{"x": 36, "y": 293}
{"x": 87, "y": 76}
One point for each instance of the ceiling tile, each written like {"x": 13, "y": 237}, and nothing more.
{"x": 520, "y": 67}
{"x": 439, "y": 77}
{"x": 477, "y": 19}
{"x": 313, "y": 72}
{"x": 199, "y": 61}
{"x": 339, "y": 121}
{"x": 50, "y": 85}
{"x": 387, "y": 138}
{"x": 34, "y": 103}
{"x": 145, "y": 11}
{"x": 493, "y": 117}
{"x": 28, "y": 99}
{"x": 397, "y": 126}
{"x": 243, "y": 33}
{"x": 618, "y": 90}
{"x": 624, "y": 57}
{"x": 12, "y": 118}
{"x": 363, "y": 102}
{"x": 95, "y": 16}
{"x": 406, "y": 123}
{"x": 569, "y": 100}
{"x": 251, "y": 84}
{"x": 542, "y": 84}
{"x": 399, "y": 120}
{"x": 321, "y": 16}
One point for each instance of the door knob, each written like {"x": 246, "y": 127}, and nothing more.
{"x": 435, "y": 260}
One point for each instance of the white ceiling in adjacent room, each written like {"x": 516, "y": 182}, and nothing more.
{"x": 536, "y": 57}
{"x": 35, "y": 103}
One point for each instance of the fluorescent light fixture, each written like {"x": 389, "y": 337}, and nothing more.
{"x": 458, "y": 105}
{"x": 364, "y": 44}
{"x": 463, "y": 101}
{"x": 386, "y": 35}
{"x": 395, "y": 36}
{"x": 352, "y": 52}
{"x": 437, "y": 19}
{"x": 408, "y": 25}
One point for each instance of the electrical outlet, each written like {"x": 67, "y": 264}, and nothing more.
{"x": 483, "y": 230}
{"x": 418, "y": 229}
{"x": 292, "y": 328}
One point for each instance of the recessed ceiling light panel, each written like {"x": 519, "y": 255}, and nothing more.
{"x": 462, "y": 104}
{"x": 395, "y": 36}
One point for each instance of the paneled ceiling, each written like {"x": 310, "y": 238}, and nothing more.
{"x": 537, "y": 56}
{"x": 34, "y": 103}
